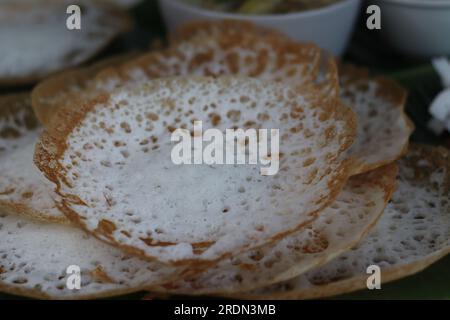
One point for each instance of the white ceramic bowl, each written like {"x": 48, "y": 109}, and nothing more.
{"x": 329, "y": 27}
{"x": 416, "y": 27}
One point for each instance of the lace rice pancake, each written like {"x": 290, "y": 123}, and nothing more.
{"x": 216, "y": 48}
{"x": 340, "y": 227}
{"x": 109, "y": 157}
{"x": 35, "y": 42}
{"x": 229, "y": 38}
{"x": 383, "y": 126}
{"x": 34, "y": 256}
{"x": 247, "y": 55}
{"x": 40, "y": 260}
{"x": 413, "y": 233}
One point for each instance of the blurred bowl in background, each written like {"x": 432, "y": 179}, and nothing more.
{"x": 418, "y": 28}
{"x": 125, "y": 3}
{"x": 329, "y": 27}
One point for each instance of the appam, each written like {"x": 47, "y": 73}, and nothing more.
{"x": 228, "y": 35}
{"x": 383, "y": 126}
{"x": 35, "y": 257}
{"x": 254, "y": 53}
{"x": 36, "y": 42}
{"x": 340, "y": 227}
{"x": 23, "y": 188}
{"x": 245, "y": 54}
{"x": 413, "y": 233}
{"x": 111, "y": 162}
{"x": 216, "y": 48}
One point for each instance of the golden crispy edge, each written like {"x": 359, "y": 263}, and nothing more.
{"x": 438, "y": 156}
{"x": 25, "y": 211}
{"x": 11, "y": 104}
{"x": 352, "y": 284}
{"x": 52, "y": 145}
{"x": 125, "y": 25}
{"x": 385, "y": 178}
{"x": 388, "y": 90}
{"x": 329, "y": 67}
{"x": 226, "y": 38}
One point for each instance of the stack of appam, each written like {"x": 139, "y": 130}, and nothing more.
{"x": 88, "y": 179}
